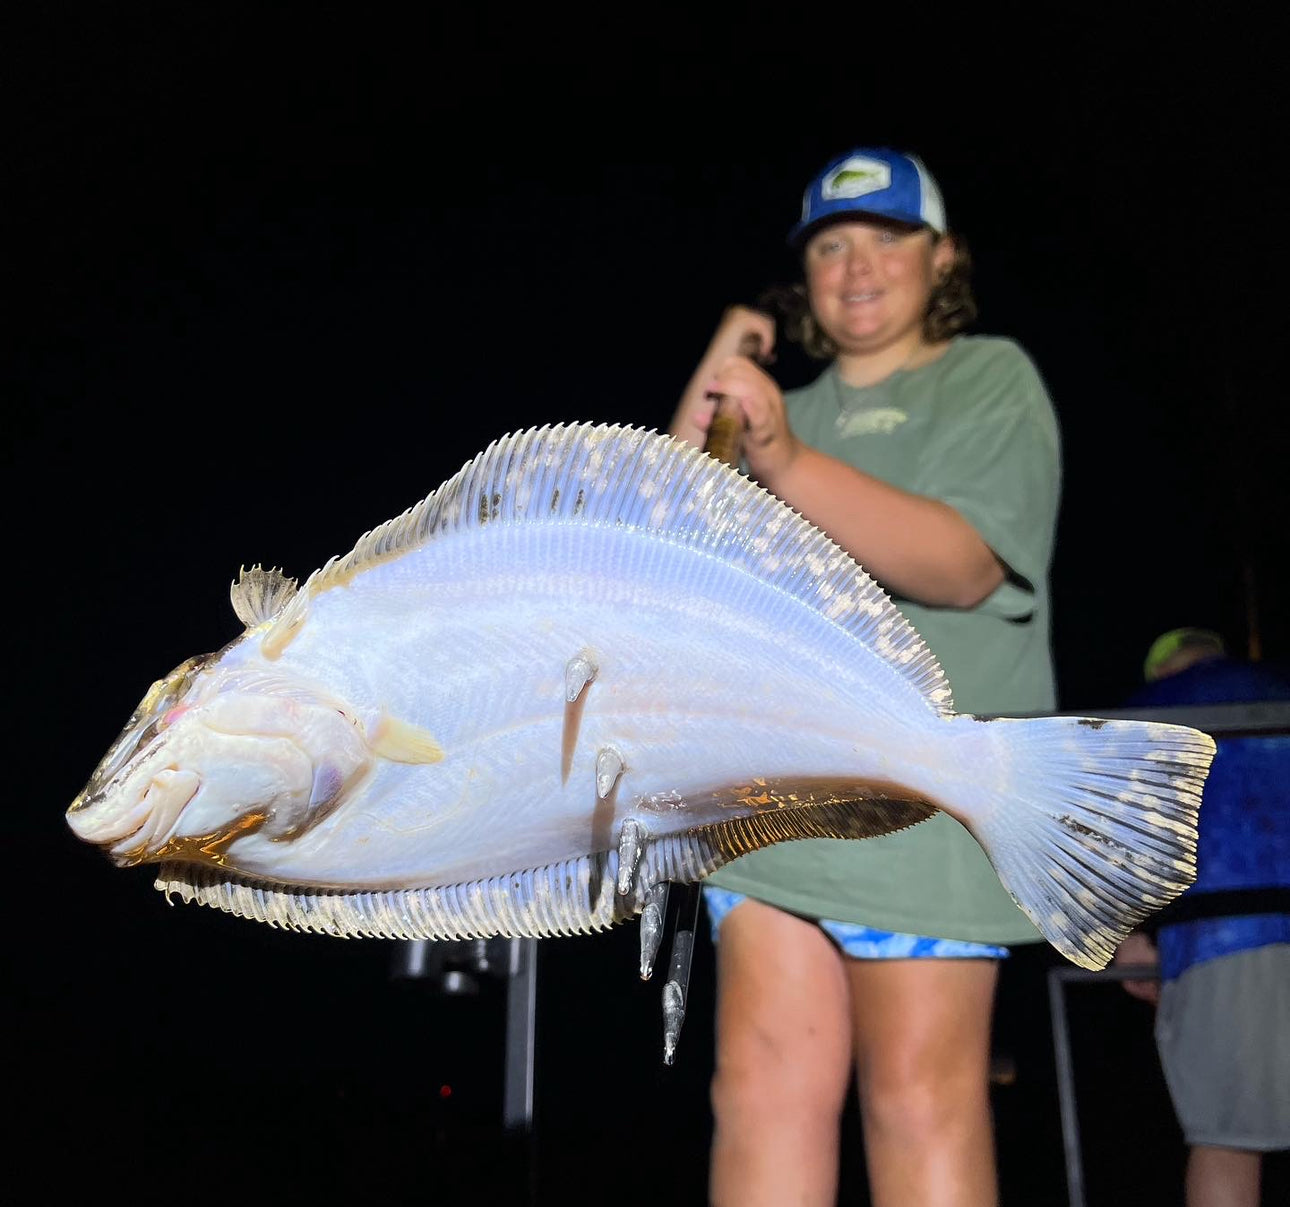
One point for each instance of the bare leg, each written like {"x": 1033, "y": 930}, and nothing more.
{"x": 923, "y": 1063}
{"x": 1223, "y": 1177}
{"x": 783, "y": 1061}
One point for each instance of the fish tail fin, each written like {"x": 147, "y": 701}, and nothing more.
{"x": 1092, "y": 827}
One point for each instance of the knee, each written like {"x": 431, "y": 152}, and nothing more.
{"x": 922, "y": 1102}
{"x": 766, "y": 1088}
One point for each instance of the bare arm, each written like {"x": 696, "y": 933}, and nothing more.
{"x": 1138, "y": 949}
{"x": 914, "y": 546}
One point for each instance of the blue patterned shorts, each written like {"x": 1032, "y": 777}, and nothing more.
{"x": 863, "y": 942}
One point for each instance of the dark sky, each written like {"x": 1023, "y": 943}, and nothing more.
{"x": 288, "y": 272}
{"x": 280, "y": 270}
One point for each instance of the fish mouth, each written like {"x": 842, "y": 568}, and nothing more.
{"x": 103, "y": 812}
{"x": 133, "y": 742}
{"x": 136, "y": 833}
{"x": 90, "y": 825}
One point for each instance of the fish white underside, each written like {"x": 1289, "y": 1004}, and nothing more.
{"x": 703, "y": 680}
{"x": 731, "y": 642}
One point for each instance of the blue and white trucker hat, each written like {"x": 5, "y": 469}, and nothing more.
{"x": 875, "y": 182}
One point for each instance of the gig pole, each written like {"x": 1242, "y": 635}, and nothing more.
{"x": 725, "y": 442}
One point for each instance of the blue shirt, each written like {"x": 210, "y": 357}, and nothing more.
{"x": 1244, "y": 827}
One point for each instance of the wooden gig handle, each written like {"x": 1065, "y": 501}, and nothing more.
{"x": 725, "y": 438}
{"x": 726, "y": 431}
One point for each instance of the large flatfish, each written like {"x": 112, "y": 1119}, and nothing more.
{"x": 594, "y": 662}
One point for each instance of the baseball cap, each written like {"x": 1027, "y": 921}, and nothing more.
{"x": 871, "y": 181}
{"x": 1168, "y": 644}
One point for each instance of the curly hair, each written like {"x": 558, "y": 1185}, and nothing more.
{"x": 950, "y": 309}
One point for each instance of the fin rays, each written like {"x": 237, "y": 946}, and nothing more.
{"x": 574, "y": 896}
{"x": 625, "y": 476}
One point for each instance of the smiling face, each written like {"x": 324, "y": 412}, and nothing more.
{"x": 869, "y": 282}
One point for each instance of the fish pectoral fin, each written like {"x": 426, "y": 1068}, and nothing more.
{"x": 401, "y": 742}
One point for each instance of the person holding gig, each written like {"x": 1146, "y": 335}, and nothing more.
{"x": 932, "y": 457}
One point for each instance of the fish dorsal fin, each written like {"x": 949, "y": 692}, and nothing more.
{"x": 628, "y": 476}
{"x": 259, "y": 595}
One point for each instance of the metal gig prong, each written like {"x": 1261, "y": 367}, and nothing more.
{"x": 630, "y": 845}
{"x": 652, "y": 927}
{"x": 578, "y": 672}
{"x": 609, "y": 766}
{"x": 677, "y": 987}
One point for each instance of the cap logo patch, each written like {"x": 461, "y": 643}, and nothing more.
{"x": 856, "y": 177}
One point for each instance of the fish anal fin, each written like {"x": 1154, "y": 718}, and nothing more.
{"x": 573, "y": 896}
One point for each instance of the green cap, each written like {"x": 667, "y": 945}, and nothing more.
{"x": 1168, "y": 644}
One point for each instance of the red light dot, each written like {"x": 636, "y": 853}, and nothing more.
{"x": 445, "y": 1091}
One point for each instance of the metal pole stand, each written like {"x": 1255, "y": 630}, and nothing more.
{"x": 1058, "y": 978}
{"x": 455, "y": 966}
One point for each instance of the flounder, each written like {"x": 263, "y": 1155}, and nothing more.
{"x": 593, "y": 662}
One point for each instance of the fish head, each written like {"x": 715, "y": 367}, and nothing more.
{"x": 212, "y": 755}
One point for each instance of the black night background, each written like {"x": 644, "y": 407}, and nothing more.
{"x": 277, "y": 271}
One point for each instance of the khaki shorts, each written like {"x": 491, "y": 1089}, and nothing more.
{"x": 1223, "y": 1034}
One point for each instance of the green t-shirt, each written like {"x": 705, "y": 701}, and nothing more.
{"x": 975, "y": 429}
